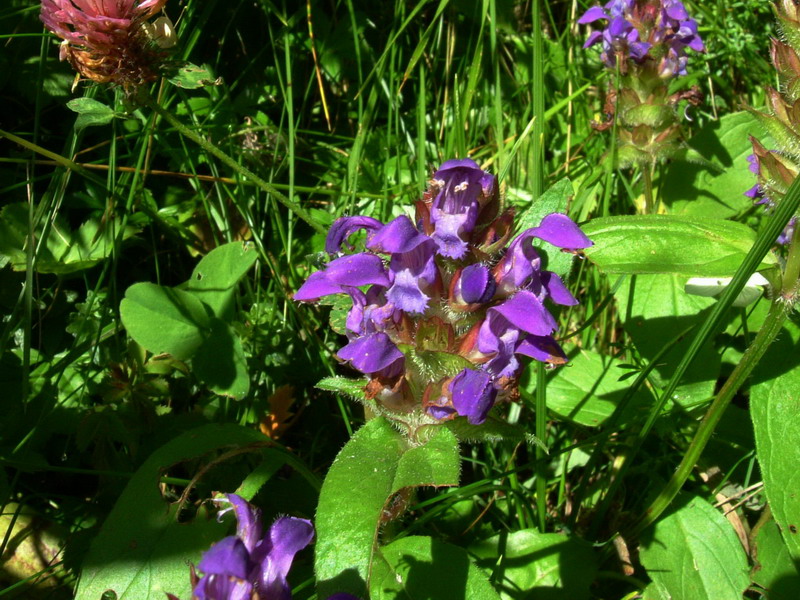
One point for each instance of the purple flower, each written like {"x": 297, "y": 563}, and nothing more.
{"x": 374, "y": 354}
{"x": 461, "y": 189}
{"x": 633, "y": 29}
{"x": 490, "y": 316}
{"x": 343, "y": 273}
{"x": 250, "y": 564}
{"x": 521, "y": 264}
{"x": 474, "y": 394}
{"x": 474, "y": 284}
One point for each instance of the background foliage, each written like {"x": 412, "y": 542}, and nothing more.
{"x": 140, "y": 372}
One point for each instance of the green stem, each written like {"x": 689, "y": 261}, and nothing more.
{"x": 185, "y": 131}
{"x": 766, "y": 335}
{"x": 649, "y": 202}
{"x": 541, "y": 433}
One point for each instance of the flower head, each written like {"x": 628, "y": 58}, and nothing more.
{"x": 441, "y": 311}
{"x": 638, "y": 31}
{"x": 252, "y": 564}
{"x": 111, "y": 41}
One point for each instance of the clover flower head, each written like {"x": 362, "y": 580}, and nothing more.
{"x": 444, "y": 308}
{"x": 111, "y": 41}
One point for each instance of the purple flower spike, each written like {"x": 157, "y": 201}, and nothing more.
{"x": 461, "y": 189}
{"x": 476, "y": 284}
{"x": 473, "y": 395}
{"x": 371, "y": 353}
{"x": 250, "y": 565}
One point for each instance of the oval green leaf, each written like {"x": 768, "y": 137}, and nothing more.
{"x": 694, "y": 553}
{"x": 163, "y": 319}
{"x": 421, "y": 568}
{"x": 696, "y": 247}
{"x": 366, "y": 473}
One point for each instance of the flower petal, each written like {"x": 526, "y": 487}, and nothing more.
{"x": 343, "y": 227}
{"x": 248, "y": 521}
{"x": 399, "y": 235}
{"x": 556, "y": 289}
{"x": 221, "y": 587}
{"x": 526, "y": 312}
{"x": 473, "y": 395}
{"x": 287, "y": 536}
{"x": 476, "y": 284}
{"x": 371, "y": 353}
{"x": 228, "y": 557}
{"x": 593, "y": 14}
{"x": 559, "y": 230}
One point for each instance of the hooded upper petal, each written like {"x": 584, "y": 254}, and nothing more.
{"x": 287, "y": 536}
{"x": 343, "y": 227}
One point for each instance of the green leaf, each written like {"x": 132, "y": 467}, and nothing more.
{"x": 436, "y": 463}
{"x": 90, "y": 112}
{"x": 191, "y": 77}
{"x": 587, "y": 390}
{"x": 774, "y": 406}
{"x": 694, "y": 553}
{"x": 363, "y": 478}
{"x": 354, "y": 388}
{"x": 421, "y": 568}
{"x": 215, "y": 277}
{"x": 164, "y": 319}
{"x": 694, "y": 190}
{"x": 142, "y": 551}
{"x": 220, "y": 362}
{"x": 670, "y": 244}
{"x": 64, "y": 251}
{"x": 774, "y": 570}
{"x": 528, "y": 564}
{"x": 655, "y": 310}
{"x": 491, "y": 430}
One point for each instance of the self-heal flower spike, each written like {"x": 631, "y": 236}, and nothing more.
{"x": 111, "y": 41}
{"x": 442, "y": 311}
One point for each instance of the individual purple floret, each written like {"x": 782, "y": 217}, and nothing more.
{"x": 252, "y": 564}
{"x": 441, "y": 309}
{"x": 461, "y": 190}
